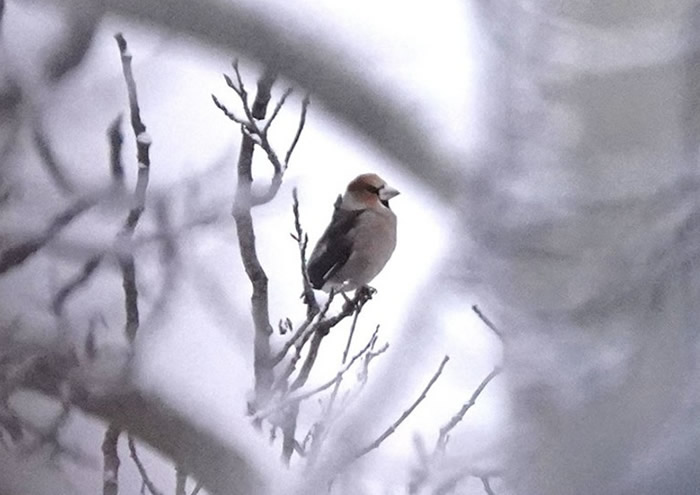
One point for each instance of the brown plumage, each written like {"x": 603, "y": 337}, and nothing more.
{"x": 359, "y": 240}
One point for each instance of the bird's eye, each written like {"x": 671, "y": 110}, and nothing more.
{"x": 372, "y": 189}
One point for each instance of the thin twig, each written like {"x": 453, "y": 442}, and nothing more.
{"x": 276, "y": 110}
{"x": 302, "y": 243}
{"x": 228, "y": 112}
{"x": 351, "y": 334}
{"x": 445, "y": 430}
{"x": 302, "y": 120}
{"x": 317, "y": 432}
{"x": 301, "y": 396}
{"x": 364, "y": 373}
{"x": 487, "y": 485}
{"x": 51, "y": 162}
{"x": 448, "y": 484}
{"x": 299, "y": 339}
{"x": 197, "y": 488}
{"x": 317, "y": 332}
{"x": 487, "y": 322}
{"x": 75, "y": 283}
{"x": 143, "y": 142}
{"x": 142, "y": 469}
{"x": 389, "y": 431}
{"x": 169, "y": 261}
{"x": 353, "y": 325}
{"x": 321, "y": 329}
{"x": 258, "y": 135}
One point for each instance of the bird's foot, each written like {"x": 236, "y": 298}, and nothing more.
{"x": 362, "y": 295}
{"x": 366, "y": 292}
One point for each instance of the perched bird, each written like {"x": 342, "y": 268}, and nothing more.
{"x": 359, "y": 240}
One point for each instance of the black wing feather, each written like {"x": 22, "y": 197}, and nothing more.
{"x": 338, "y": 247}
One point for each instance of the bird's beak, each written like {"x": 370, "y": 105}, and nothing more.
{"x": 386, "y": 193}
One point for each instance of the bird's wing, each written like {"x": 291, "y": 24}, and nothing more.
{"x": 333, "y": 248}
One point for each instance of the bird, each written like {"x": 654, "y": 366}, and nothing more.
{"x": 359, "y": 240}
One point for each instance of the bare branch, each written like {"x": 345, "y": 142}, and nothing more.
{"x": 142, "y": 469}
{"x": 321, "y": 328}
{"x": 110, "y": 470}
{"x": 75, "y": 283}
{"x": 251, "y": 263}
{"x": 259, "y": 136}
{"x": 143, "y": 143}
{"x": 445, "y": 430}
{"x": 487, "y": 485}
{"x": 264, "y": 93}
{"x": 51, "y": 162}
{"x": 317, "y": 331}
{"x": 299, "y": 340}
{"x": 131, "y": 296}
{"x": 169, "y": 260}
{"x": 301, "y": 396}
{"x": 487, "y": 322}
{"x": 14, "y": 256}
{"x": 74, "y": 41}
{"x": 406, "y": 413}
{"x": 116, "y": 139}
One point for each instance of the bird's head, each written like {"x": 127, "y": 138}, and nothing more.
{"x": 367, "y": 191}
